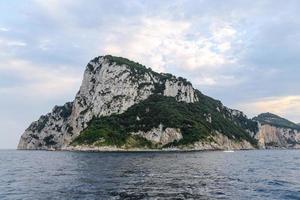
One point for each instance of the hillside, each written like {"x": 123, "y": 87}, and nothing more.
{"x": 122, "y": 104}
{"x": 195, "y": 121}
{"x": 277, "y": 132}
{"x": 275, "y": 120}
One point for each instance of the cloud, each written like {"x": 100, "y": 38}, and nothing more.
{"x": 44, "y": 44}
{"x": 39, "y": 81}
{"x": 286, "y": 106}
{"x": 16, "y": 43}
{"x": 217, "y": 80}
{"x": 7, "y": 43}
{"x": 3, "y": 29}
{"x": 235, "y": 51}
{"x": 149, "y": 42}
{"x": 164, "y": 43}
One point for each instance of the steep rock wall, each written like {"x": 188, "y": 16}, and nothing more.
{"x": 277, "y": 137}
{"x": 108, "y": 87}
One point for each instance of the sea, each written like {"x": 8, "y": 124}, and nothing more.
{"x": 255, "y": 174}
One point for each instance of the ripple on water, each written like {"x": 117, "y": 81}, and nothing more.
{"x": 193, "y": 175}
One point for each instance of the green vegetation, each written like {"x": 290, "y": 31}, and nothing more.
{"x": 40, "y": 124}
{"x": 49, "y": 140}
{"x": 190, "y": 118}
{"x": 275, "y": 120}
{"x": 246, "y": 123}
{"x": 125, "y": 61}
{"x": 34, "y": 136}
{"x": 136, "y": 68}
{"x": 272, "y": 144}
{"x": 193, "y": 119}
{"x": 69, "y": 129}
{"x": 106, "y": 131}
{"x": 138, "y": 71}
{"x": 64, "y": 111}
{"x": 184, "y": 81}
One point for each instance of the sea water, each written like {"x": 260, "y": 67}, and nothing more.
{"x": 257, "y": 174}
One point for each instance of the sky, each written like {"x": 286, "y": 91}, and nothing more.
{"x": 244, "y": 53}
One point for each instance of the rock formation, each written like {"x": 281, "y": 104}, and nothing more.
{"x": 277, "y": 132}
{"x": 123, "y": 105}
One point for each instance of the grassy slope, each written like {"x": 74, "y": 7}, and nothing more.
{"x": 275, "y": 120}
{"x": 191, "y": 118}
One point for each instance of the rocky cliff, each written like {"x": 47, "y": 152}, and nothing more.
{"x": 277, "y": 132}
{"x": 122, "y": 104}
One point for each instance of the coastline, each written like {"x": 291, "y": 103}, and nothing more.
{"x": 221, "y": 143}
{"x": 116, "y": 149}
{"x": 111, "y": 149}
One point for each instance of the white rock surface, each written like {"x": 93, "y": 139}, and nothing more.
{"x": 180, "y": 90}
{"x": 51, "y": 128}
{"x": 106, "y": 88}
{"x": 216, "y": 142}
{"x": 221, "y": 142}
{"x": 161, "y": 136}
{"x": 277, "y": 137}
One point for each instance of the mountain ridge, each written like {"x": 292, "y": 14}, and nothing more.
{"x": 275, "y": 120}
{"x": 123, "y": 105}
{"x": 277, "y": 132}
{"x": 112, "y": 85}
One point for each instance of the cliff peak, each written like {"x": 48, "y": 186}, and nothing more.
{"x": 122, "y": 104}
{"x": 110, "y": 86}
{"x": 275, "y": 120}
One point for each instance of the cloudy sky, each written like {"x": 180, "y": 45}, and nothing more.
{"x": 245, "y": 53}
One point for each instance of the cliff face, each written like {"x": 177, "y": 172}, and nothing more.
{"x": 278, "y": 137}
{"x": 220, "y": 142}
{"x": 108, "y": 87}
{"x": 277, "y": 132}
{"x": 113, "y": 87}
{"x": 50, "y": 130}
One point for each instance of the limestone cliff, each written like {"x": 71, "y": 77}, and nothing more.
{"x": 113, "y": 87}
{"x": 277, "y": 132}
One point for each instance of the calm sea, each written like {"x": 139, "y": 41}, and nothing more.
{"x": 271, "y": 174}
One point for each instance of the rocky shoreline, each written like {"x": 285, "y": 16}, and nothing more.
{"x": 142, "y": 150}
{"x": 112, "y": 149}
